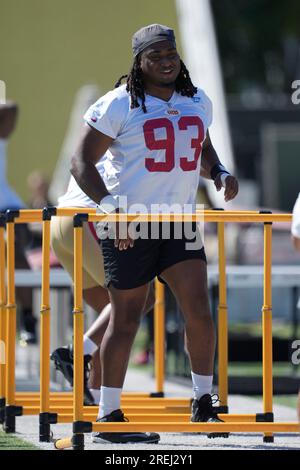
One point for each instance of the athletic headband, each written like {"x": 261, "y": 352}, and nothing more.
{"x": 151, "y": 34}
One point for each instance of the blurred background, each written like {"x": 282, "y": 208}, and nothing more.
{"x": 58, "y": 56}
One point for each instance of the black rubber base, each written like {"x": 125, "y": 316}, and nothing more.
{"x": 78, "y": 441}
{"x": 2, "y": 410}
{"x": 11, "y": 411}
{"x": 157, "y": 395}
{"x": 268, "y": 439}
{"x": 45, "y": 433}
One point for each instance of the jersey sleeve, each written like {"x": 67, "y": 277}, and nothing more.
{"x": 107, "y": 115}
{"x": 296, "y": 219}
{"x": 208, "y": 109}
{"x": 205, "y": 105}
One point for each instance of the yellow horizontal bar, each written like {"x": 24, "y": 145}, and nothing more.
{"x": 31, "y": 214}
{"x": 70, "y": 395}
{"x": 158, "y": 417}
{"x": 30, "y": 395}
{"x": 68, "y": 409}
{"x": 197, "y": 427}
{"x": 70, "y": 211}
{"x": 211, "y": 217}
{"x": 129, "y": 400}
{"x": 35, "y": 215}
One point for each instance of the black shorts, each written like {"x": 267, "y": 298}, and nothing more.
{"x": 148, "y": 258}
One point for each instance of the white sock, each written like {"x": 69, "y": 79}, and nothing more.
{"x": 202, "y": 384}
{"x": 95, "y": 392}
{"x": 89, "y": 347}
{"x": 110, "y": 400}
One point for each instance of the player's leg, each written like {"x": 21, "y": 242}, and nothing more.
{"x": 97, "y": 330}
{"x": 128, "y": 274}
{"x": 185, "y": 271}
{"x": 93, "y": 293}
{"x": 127, "y": 306}
{"x": 126, "y": 309}
{"x": 188, "y": 282}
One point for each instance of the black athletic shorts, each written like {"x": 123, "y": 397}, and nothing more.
{"x": 148, "y": 258}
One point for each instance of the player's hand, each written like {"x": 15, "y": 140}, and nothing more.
{"x": 231, "y": 186}
{"x": 122, "y": 231}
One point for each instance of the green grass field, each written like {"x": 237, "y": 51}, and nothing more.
{"x": 11, "y": 442}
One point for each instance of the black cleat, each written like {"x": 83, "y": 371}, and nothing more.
{"x": 63, "y": 360}
{"x": 204, "y": 412}
{"x": 117, "y": 416}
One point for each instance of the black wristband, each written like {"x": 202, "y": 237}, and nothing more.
{"x": 216, "y": 169}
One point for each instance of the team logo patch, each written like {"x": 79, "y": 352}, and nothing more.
{"x": 172, "y": 112}
{"x": 196, "y": 99}
{"x": 94, "y": 117}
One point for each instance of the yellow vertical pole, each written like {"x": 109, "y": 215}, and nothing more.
{"x": 78, "y": 322}
{"x": 11, "y": 316}
{"x": 11, "y": 410}
{"x": 2, "y": 320}
{"x": 159, "y": 338}
{"x": 222, "y": 320}
{"x": 267, "y": 326}
{"x": 45, "y": 322}
{"x": 46, "y": 418}
{"x": 79, "y": 426}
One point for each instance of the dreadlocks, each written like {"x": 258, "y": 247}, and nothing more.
{"x": 135, "y": 84}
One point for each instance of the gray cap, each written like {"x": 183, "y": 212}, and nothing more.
{"x": 150, "y": 34}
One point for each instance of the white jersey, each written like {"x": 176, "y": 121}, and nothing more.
{"x": 155, "y": 156}
{"x": 8, "y": 198}
{"x": 296, "y": 218}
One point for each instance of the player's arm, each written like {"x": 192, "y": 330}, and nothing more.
{"x": 8, "y": 118}
{"x": 212, "y": 168}
{"x": 92, "y": 147}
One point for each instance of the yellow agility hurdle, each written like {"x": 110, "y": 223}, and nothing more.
{"x": 261, "y": 422}
{"x": 47, "y": 404}
{"x": 57, "y": 407}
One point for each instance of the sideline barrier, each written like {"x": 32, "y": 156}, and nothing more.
{"x": 263, "y": 422}
{"x": 172, "y": 415}
{"x": 47, "y": 404}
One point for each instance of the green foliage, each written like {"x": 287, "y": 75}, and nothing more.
{"x": 258, "y": 43}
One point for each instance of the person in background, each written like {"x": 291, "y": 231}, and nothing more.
{"x": 38, "y": 187}
{"x": 10, "y": 200}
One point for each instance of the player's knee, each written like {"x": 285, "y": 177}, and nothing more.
{"x": 126, "y": 327}
{"x": 198, "y": 314}
{"x": 197, "y": 305}
{"x": 127, "y": 319}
